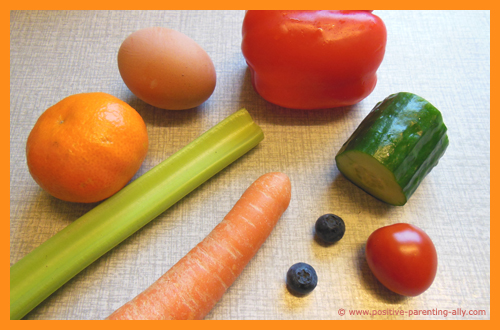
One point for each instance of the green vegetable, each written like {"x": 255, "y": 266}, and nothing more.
{"x": 394, "y": 148}
{"x": 64, "y": 255}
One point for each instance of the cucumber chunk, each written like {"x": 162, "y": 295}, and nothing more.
{"x": 394, "y": 147}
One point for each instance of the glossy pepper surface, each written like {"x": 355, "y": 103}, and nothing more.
{"x": 313, "y": 59}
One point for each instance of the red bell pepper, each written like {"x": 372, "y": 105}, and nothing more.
{"x": 313, "y": 59}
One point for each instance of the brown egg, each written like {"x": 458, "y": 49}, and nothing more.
{"x": 166, "y": 68}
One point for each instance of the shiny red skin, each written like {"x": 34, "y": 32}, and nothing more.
{"x": 313, "y": 59}
{"x": 403, "y": 258}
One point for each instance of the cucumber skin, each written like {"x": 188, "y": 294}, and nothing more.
{"x": 406, "y": 134}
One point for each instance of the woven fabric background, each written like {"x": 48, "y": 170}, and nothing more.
{"x": 443, "y": 56}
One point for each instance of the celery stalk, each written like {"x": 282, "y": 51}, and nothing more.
{"x": 53, "y": 263}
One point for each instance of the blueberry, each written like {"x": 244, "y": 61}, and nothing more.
{"x": 301, "y": 279}
{"x": 330, "y": 228}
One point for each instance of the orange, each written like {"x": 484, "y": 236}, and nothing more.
{"x": 86, "y": 147}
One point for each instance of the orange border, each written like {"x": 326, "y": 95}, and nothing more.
{"x": 493, "y": 177}
{"x": 256, "y": 4}
{"x": 198, "y": 4}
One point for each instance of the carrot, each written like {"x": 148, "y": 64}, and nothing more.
{"x": 192, "y": 287}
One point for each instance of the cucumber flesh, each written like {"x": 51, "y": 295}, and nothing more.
{"x": 370, "y": 175}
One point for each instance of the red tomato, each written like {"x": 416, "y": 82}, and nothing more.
{"x": 403, "y": 258}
